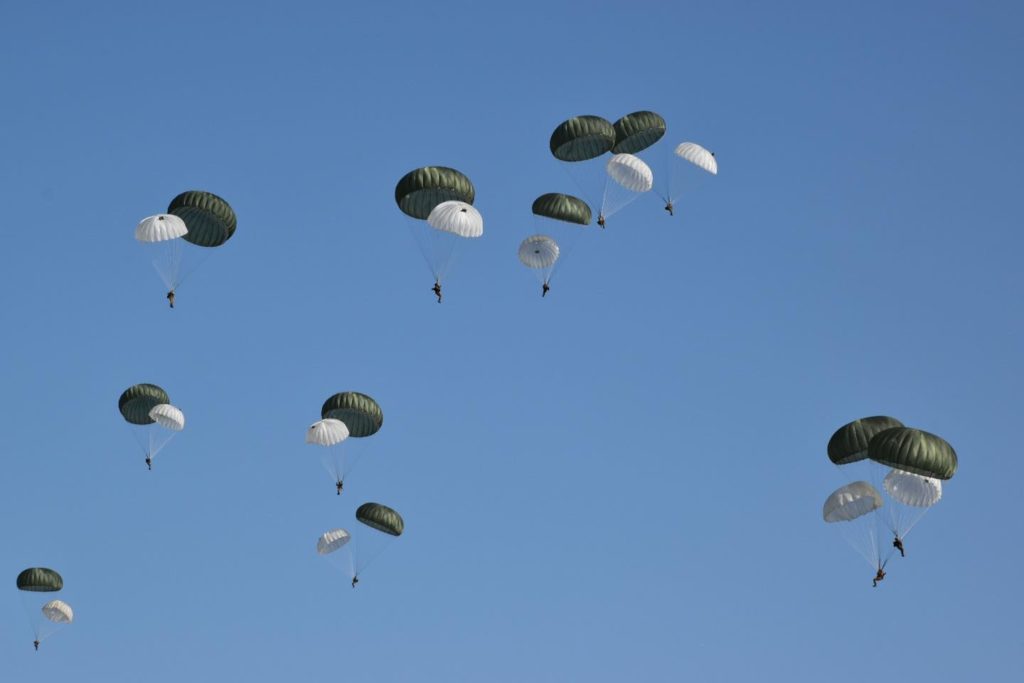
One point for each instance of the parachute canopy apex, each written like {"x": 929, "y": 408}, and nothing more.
{"x": 381, "y": 517}
{"x": 40, "y": 580}
{"x": 850, "y": 442}
{"x": 637, "y": 131}
{"x": 137, "y": 401}
{"x": 914, "y": 450}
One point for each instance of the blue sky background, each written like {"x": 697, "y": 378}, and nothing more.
{"x": 621, "y": 481}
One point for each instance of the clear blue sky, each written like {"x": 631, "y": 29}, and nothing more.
{"x": 622, "y": 481}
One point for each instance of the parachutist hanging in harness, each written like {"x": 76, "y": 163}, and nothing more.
{"x": 669, "y": 208}
{"x": 149, "y": 462}
{"x": 437, "y": 290}
{"x": 339, "y": 485}
{"x": 170, "y": 297}
{"x": 36, "y": 643}
{"x": 355, "y": 580}
{"x": 600, "y": 219}
{"x": 545, "y": 290}
{"x": 898, "y": 544}
{"x": 878, "y": 577}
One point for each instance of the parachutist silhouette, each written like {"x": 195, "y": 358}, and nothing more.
{"x": 149, "y": 462}
{"x": 170, "y": 297}
{"x": 437, "y": 290}
{"x": 544, "y": 292}
{"x": 898, "y": 544}
{"x": 600, "y": 219}
{"x": 878, "y": 577}
{"x": 355, "y": 580}
{"x": 339, "y": 485}
{"x": 36, "y": 643}
{"x": 669, "y": 208}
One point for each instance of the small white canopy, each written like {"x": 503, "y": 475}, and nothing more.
{"x": 327, "y": 432}
{"x": 458, "y": 218}
{"x": 160, "y": 228}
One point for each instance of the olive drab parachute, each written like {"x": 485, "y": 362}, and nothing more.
{"x": 327, "y": 432}
{"x": 59, "y": 612}
{"x": 630, "y": 172}
{"x": 582, "y": 138}
{"x": 637, "y": 131}
{"x": 914, "y": 450}
{"x": 210, "y": 219}
{"x": 332, "y": 540}
{"x": 381, "y": 517}
{"x": 849, "y": 502}
{"x": 457, "y": 218}
{"x": 360, "y": 413}
{"x": 562, "y": 207}
{"x": 421, "y": 190}
{"x": 850, "y": 442}
{"x": 137, "y": 401}
{"x": 40, "y": 580}
{"x": 698, "y": 156}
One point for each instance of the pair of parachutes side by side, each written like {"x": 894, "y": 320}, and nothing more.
{"x": 374, "y": 515}
{"x": 197, "y": 217}
{"x": 916, "y": 462}
{"x": 147, "y": 406}
{"x": 53, "y": 612}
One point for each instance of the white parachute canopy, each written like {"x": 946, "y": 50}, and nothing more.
{"x": 168, "y": 417}
{"x": 458, "y": 218}
{"x": 630, "y": 172}
{"x": 538, "y": 251}
{"x": 849, "y": 502}
{"x": 332, "y": 540}
{"x": 160, "y": 228}
{"x": 327, "y": 432}
{"x": 698, "y": 156}
{"x": 912, "y": 489}
{"x": 59, "y": 612}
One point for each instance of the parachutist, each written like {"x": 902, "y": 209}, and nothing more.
{"x": 878, "y": 577}
{"x": 600, "y": 219}
{"x": 898, "y": 544}
{"x": 437, "y": 290}
{"x": 339, "y": 485}
{"x": 669, "y": 208}
{"x": 544, "y": 292}
{"x": 170, "y": 297}
{"x": 355, "y": 580}
{"x": 149, "y": 462}
{"x": 36, "y": 643}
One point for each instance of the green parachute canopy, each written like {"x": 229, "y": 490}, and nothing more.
{"x": 850, "y": 442}
{"x": 381, "y": 518}
{"x": 136, "y": 402}
{"x": 40, "y": 580}
{"x": 913, "y": 450}
{"x": 637, "y": 131}
{"x": 581, "y": 138}
{"x": 210, "y": 220}
{"x": 360, "y": 413}
{"x": 419, "y": 191}
{"x": 562, "y": 207}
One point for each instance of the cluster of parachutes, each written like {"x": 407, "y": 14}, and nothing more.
{"x": 905, "y": 469}
{"x": 199, "y": 218}
{"x": 47, "y": 618}
{"x": 343, "y": 415}
{"x": 154, "y": 420}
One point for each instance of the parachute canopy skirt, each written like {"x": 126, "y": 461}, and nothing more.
{"x": 210, "y": 220}
{"x": 137, "y": 401}
{"x": 915, "y": 451}
{"x": 381, "y": 517}
{"x": 360, "y": 413}
{"x": 850, "y": 442}
{"x": 40, "y": 580}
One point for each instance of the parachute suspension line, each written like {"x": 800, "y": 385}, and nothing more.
{"x": 195, "y": 266}
{"x": 586, "y": 193}
{"x": 360, "y": 568}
